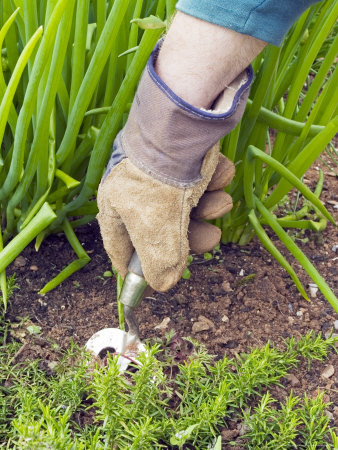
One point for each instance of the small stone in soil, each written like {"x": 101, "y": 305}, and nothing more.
{"x": 34, "y": 268}
{"x": 20, "y": 261}
{"x": 313, "y": 290}
{"x": 292, "y": 379}
{"x": 181, "y": 299}
{"x": 328, "y": 334}
{"x": 328, "y": 372}
{"x": 227, "y": 435}
{"x": 335, "y": 411}
{"x": 200, "y": 326}
{"x": 163, "y": 325}
{"x": 336, "y": 324}
{"x": 225, "y": 318}
{"x": 203, "y": 324}
{"x": 226, "y": 286}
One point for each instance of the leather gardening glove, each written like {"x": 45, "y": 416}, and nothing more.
{"x": 164, "y": 160}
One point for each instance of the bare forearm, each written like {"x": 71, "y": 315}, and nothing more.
{"x": 199, "y": 59}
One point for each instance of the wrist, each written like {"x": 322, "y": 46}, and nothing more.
{"x": 167, "y": 137}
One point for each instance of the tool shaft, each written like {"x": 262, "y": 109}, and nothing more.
{"x": 134, "y": 284}
{"x": 132, "y": 291}
{"x": 130, "y": 318}
{"x": 135, "y": 265}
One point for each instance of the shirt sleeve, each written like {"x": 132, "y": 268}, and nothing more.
{"x": 268, "y": 20}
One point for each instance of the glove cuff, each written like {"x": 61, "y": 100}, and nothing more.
{"x": 167, "y": 137}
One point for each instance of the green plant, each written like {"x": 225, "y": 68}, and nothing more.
{"x": 334, "y": 438}
{"x": 81, "y": 406}
{"x": 65, "y": 91}
{"x": 270, "y": 428}
{"x": 67, "y": 76}
{"x": 187, "y": 274}
{"x": 302, "y": 111}
{"x": 314, "y": 422}
{"x": 7, "y": 289}
{"x": 290, "y": 425}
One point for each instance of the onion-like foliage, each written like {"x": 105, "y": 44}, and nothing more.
{"x": 69, "y": 70}
{"x": 294, "y": 100}
{"x": 68, "y": 73}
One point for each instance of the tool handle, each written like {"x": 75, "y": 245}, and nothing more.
{"x": 134, "y": 284}
{"x": 135, "y": 265}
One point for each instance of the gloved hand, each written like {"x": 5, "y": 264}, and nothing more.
{"x": 164, "y": 160}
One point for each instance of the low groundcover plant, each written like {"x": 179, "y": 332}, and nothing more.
{"x": 168, "y": 401}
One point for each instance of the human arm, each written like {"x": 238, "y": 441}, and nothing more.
{"x": 168, "y": 140}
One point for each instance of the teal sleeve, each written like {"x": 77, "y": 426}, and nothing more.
{"x": 268, "y": 20}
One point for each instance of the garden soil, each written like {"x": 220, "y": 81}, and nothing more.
{"x": 239, "y": 299}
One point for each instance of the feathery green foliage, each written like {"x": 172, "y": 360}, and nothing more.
{"x": 291, "y": 425}
{"x": 78, "y": 406}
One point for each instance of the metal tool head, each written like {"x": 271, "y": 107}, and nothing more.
{"x": 116, "y": 342}
{"x": 127, "y": 345}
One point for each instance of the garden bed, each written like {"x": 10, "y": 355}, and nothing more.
{"x": 239, "y": 299}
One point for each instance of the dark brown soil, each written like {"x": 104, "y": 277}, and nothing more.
{"x": 235, "y": 313}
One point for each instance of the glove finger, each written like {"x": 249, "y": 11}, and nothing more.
{"x": 212, "y": 205}
{"x": 114, "y": 234}
{"x": 224, "y": 173}
{"x": 203, "y": 236}
{"x": 116, "y": 242}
